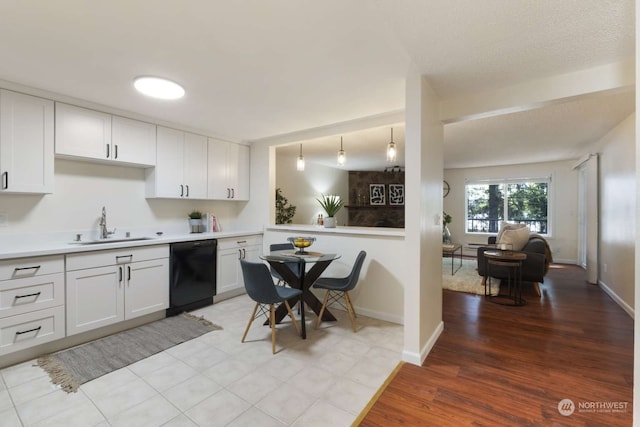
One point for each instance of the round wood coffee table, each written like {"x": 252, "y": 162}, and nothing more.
{"x": 512, "y": 262}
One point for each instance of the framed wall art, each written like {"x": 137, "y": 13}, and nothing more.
{"x": 376, "y": 194}
{"x": 396, "y": 194}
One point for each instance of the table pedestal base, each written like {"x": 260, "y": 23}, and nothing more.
{"x": 303, "y": 282}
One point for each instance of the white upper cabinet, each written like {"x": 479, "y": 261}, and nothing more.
{"x": 181, "y": 166}
{"x": 242, "y": 173}
{"x": 217, "y": 176}
{"x": 195, "y": 165}
{"x": 228, "y": 177}
{"x": 133, "y": 141}
{"x": 89, "y": 134}
{"x": 82, "y": 133}
{"x": 26, "y": 143}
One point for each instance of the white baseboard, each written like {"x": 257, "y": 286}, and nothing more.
{"x": 388, "y": 317}
{"x": 418, "y": 359}
{"x": 626, "y": 307}
{"x": 565, "y": 261}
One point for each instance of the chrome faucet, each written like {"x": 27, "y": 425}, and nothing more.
{"x": 104, "y": 232}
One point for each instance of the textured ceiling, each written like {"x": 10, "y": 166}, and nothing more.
{"x": 467, "y": 45}
{"x": 254, "y": 69}
{"x": 562, "y": 131}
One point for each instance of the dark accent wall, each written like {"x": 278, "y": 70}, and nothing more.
{"x": 362, "y": 212}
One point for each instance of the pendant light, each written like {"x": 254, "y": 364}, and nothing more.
{"x": 342, "y": 157}
{"x": 300, "y": 162}
{"x": 391, "y": 149}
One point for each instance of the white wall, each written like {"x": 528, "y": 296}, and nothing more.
{"x": 380, "y": 290}
{"x": 381, "y": 293}
{"x": 302, "y": 188}
{"x": 618, "y": 192}
{"x": 564, "y": 203}
{"x": 82, "y": 188}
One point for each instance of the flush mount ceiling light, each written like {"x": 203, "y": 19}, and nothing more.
{"x": 342, "y": 157}
{"x": 391, "y": 149}
{"x": 300, "y": 161}
{"x": 158, "y": 87}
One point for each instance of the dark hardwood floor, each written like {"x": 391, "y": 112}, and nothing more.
{"x": 510, "y": 366}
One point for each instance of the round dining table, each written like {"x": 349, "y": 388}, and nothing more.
{"x": 318, "y": 262}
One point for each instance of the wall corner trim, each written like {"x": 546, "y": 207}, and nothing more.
{"x": 418, "y": 359}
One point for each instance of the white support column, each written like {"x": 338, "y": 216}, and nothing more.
{"x": 424, "y": 136}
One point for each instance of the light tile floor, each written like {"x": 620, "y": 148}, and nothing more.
{"x": 215, "y": 380}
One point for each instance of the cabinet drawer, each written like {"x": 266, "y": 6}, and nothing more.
{"x": 30, "y": 267}
{"x": 239, "y": 242}
{"x": 31, "y": 329}
{"x": 115, "y": 256}
{"x": 30, "y": 294}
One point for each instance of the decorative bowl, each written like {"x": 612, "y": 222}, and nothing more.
{"x": 301, "y": 243}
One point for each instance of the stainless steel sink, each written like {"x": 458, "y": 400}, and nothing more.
{"x": 103, "y": 241}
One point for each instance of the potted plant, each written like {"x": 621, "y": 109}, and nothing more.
{"x": 284, "y": 210}
{"x": 195, "y": 221}
{"x": 446, "y": 234}
{"x": 331, "y": 205}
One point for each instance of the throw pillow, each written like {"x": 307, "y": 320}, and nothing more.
{"x": 504, "y": 225}
{"x": 516, "y": 237}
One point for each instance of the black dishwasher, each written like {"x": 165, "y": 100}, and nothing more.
{"x": 192, "y": 272}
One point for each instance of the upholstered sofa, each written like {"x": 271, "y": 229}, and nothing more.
{"x": 534, "y": 267}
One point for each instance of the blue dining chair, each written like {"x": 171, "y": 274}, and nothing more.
{"x": 339, "y": 287}
{"x": 294, "y": 266}
{"x": 260, "y": 288}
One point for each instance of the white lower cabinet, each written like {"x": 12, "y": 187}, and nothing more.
{"x": 30, "y": 329}
{"x": 230, "y": 252}
{"x": 31, "y": 302}
{"x": 110, "y": 286}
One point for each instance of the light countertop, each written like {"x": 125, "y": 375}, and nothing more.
{"x": 30, "y": 245}
{"x": 363, "y": 231}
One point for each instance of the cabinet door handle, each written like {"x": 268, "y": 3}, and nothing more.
{"x": 35, "y": 267}
{"x": 128, "y": 273}
{"x": 239, "y": 253}
{"x": 116, "y": 152}
{"x": 187, "y": 189}
{"x": 108, "y": 151}
{"x": 28, "y": 330}
{"x": 120, "y": 274}
{"x": 181, "y": 190}
{"x": 37, "y": 294}
{"x": 244, "y": 253}
{"x": 233, "y": 193}
{"x": 228, "y": 193}
{"x": 5, "y": 180}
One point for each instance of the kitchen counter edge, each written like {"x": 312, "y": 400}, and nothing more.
{"x": 363, "y": 231}
{"x": 62, "y": 248}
